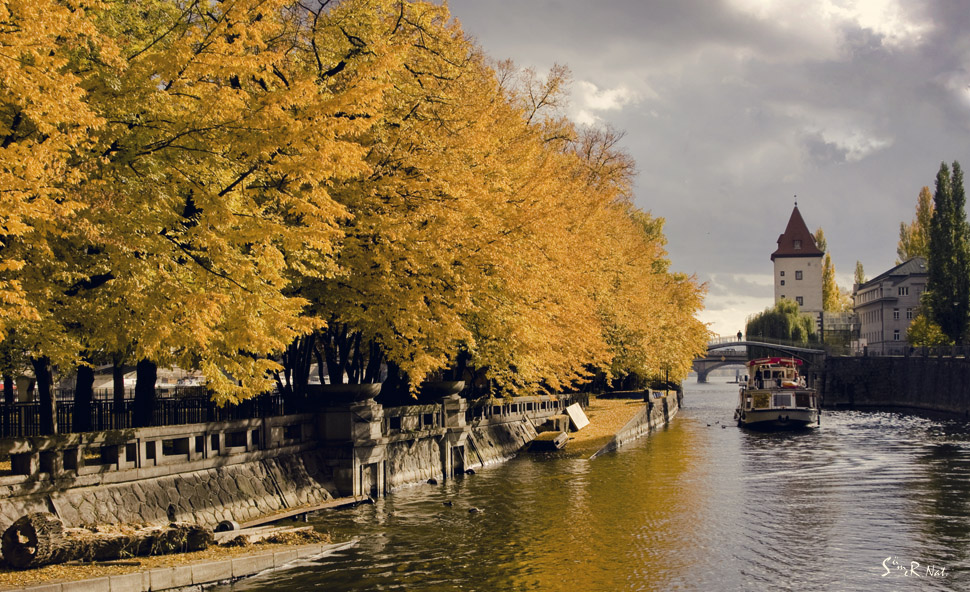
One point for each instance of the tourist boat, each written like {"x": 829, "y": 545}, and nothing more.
{"x": 775, "y": 396}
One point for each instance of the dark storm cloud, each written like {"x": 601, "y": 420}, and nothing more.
{"x": 731, "y": 108}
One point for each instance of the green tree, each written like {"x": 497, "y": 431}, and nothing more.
{"x": 860, "y": 273}
{"x": 947, "y": 297}
{"x": 783, "y": 321}
{"x": 914, "y": 238}
{"x": 923, "y": 332}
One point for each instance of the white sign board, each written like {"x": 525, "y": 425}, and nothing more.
{"x": 577, "y": 417}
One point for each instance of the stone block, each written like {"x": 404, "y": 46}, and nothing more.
{"x": 164, "y": 578}
{"x": 281, "y": 558}
{"x": 309, "y": 551}
{"x": 92, "y": 585}
{"x": 134, "y": 582}
{"x": 215, "y": 571}
{"x": 43, "y": 588}
{"x": 247, "y": 566}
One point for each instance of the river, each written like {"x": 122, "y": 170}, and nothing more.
{"x": 700, "y": 505}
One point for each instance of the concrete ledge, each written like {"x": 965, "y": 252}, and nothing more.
{"x": 164, "y": 578}
{"x": 135, "y": 582}
{"x": 45, "y": 588}
{"x": 247, "y": 566}
{"x": 197, "y": 574}
{"x": 95, "y": 585}
{"x": 215, "y": 571}
{"x": 281, "y": 558}
{"x": 641, "y": 424}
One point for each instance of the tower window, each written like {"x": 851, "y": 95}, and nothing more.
{"x": 797, "y": 244}
{"x": 799, "y": 300}
{"x": 782, "y": 282}
{"x": 798, "y": 275}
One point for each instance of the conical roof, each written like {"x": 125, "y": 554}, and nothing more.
{"x": 796, "y": 241}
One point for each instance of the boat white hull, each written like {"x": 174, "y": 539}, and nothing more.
{"x": 779, "y": 418}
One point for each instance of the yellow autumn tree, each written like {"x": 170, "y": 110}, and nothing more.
{"x": 914, "y": 238}
{"x": 44, "y": 122}
{"x": 241, "y": 187}
{"x": 205, "y": 189}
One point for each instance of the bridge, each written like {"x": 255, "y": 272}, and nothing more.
{"x": 730, "y": 351}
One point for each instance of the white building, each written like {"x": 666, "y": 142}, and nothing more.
{"x": 887, "y": 304}
{"x": 798, "y": 266}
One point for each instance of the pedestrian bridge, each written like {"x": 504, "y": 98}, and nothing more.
{"x": 730, "y": 351}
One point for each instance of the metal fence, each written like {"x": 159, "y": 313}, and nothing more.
{"x": 23, "y": 419}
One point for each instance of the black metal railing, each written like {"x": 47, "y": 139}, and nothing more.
{"x": 20, "y": 420}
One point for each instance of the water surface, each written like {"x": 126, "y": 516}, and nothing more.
{"x": 700, "y": 505}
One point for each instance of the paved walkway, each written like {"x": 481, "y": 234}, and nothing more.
{"x": 172, "y": 571}
{"x": 606, "y": 417}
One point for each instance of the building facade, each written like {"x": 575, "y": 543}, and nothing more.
{"x": 887, "y": 304}
{"x": 798, "y": 266}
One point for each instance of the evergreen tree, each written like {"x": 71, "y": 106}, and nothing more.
{"x": 947, "y": 298}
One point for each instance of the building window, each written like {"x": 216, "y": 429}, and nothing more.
{"x": 782, "y": 274}
{"x": 896, "y": 335}
{"x": 909, "y": 313}
{"x": 799, "y": 300}
{"x": 797, "y": 244}
{"x": 782, "y": 296}
{"x": 903, "y": 291}
{"x": 798, "y": 275}
{"x": 782, "y": 282}
{"x": 895, "y": 314}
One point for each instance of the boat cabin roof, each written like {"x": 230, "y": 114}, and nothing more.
{"x": 785, "y": 362}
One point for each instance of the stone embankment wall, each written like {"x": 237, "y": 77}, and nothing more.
{"x": 925, "y": 384}
{"x": 657, "y": 412}
{"x": 248, "y": 469}
{"x": 203, "y": 473}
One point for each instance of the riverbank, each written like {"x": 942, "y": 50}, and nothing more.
{"x": 216, "y": 563}
{"x": 606, "y": 418}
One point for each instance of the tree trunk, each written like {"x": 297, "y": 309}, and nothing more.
{"x": 48, "y": 405}
{"x": 118, "y": 392}
{"x": 8, "y": 397}
{"x": 374, "y": 360}
{"x": 83, "y": 395}
{"x": 335, "y": 348}
{"x": 41, "y": 539}
{"x": 144, "y": 405}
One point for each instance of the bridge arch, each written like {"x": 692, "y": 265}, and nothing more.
{"x": 713, "y": 360}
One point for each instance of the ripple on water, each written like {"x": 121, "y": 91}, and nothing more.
{"x": 701, "y": 505}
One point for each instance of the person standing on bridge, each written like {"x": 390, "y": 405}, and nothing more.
{"x": 739, "y": 336}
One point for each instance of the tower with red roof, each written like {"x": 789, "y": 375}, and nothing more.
{"x": 798, "y": 265}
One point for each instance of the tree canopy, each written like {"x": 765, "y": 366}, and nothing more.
{"x": 834, "y": 299}
{"x": 914, "y": 238}
{"x": 947, "y": 298}
{"x": 243, "y": 187}
{"x": 782, "y": 321}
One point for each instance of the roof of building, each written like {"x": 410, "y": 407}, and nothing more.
{"x": 796, "y": 241}
{"x": 914, "y": 266}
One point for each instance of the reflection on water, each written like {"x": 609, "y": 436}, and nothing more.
{"x": 701, "y": 505}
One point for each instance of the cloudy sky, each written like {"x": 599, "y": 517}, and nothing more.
{"x": 733, "y": 107}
